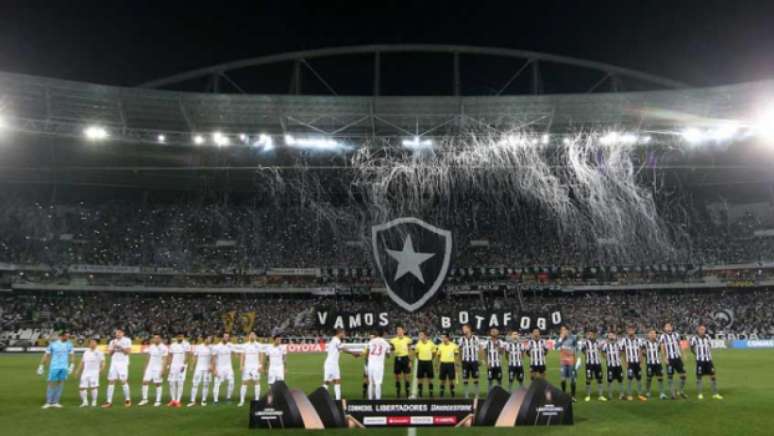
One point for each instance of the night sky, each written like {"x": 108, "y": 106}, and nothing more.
{"x": 131, "y": 41}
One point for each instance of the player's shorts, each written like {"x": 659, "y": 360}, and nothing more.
{"x": 331, "y": 372}
{"x": 633, "y": 370}
{"x": 469, "y": 370}
{"x": 202, "y": 375}
{"x": 152, "y": 375}
{"x": 447, "y": 371}
{"x": 224, "y": 374}
{"x": 654, "y": 370}
{"x": 515, "y": 373}
{"x": 425, "y": 369}
{"x": 176, "y": 374}
{"x": 593, "y": 370}
{"x": 275, "y": 375}
{"x": 675, "y": 366}
{"x": 57, "y": 374}
{"x": 495, "y": 373}
{"x": 705, "y": 368}
{"x": 118, "y": 372}
{"x": 538, "y": 369}
{"x": 376, "y": 374}
{"x": 402, "y": 365}
{"x": 89, "y": 381}
{"x": 567, "y": 371}
{"x": 615, "y": 373}
{"x": 251, "y": 374}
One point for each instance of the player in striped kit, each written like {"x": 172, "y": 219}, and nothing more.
{"x": 701, "y": 347}
{"x": 202, "y": 362}
{"x": 612, "y": 349}
{"x": 653, "y": 361}
{"x": 470, "y": 350}
{"x": 670, "y": 345}
{"x": 515, "y": 360}
{"x": 493, "y": 348}
{"x": 592, "y": 350}
{"x": 632, "y": 346}
{"x": 537, "y": 349}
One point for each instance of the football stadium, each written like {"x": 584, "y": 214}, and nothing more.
{"x": 313, "y": 240}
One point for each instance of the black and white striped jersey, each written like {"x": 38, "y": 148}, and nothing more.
{"x": 537, "y": 352}
{"x": 493, "y": 350}
{"x": 469, "y": 348}
{"x": 652, "y": 352}
{"x": 632, "y": 348}
{"x": 671, "y": 342}
{"x": 591, "y": 349}
{"x": 701, "y": 346}
{"x": 515, "y": 351}
{"x": 612, "y": 352}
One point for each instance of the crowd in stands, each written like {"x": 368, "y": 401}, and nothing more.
{"x": 95, "y": 314}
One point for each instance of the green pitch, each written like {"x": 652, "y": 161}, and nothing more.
{"x": 744, "y": 379}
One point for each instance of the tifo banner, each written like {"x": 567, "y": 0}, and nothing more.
{"x": 481, "y": 322}
{"x": 413, "y": 258}
{"x": 352, "y": 321}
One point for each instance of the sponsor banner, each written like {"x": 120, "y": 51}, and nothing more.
{"x": 318, "y": 347}
{"x": 315, "y": 272}
{"x": 717, "y": 343}
{"x": 404, "y": 412}
{"x": 352, "y": 321}
{"x": 504, "y": 320}
{"x": 753, "y": 343}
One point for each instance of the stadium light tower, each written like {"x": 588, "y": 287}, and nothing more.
{"x": 95, "y": 133}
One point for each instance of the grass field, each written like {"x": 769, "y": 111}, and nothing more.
{"x": 744, "y": 378}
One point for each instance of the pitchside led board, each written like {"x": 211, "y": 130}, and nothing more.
{"x": 539, "y": 404}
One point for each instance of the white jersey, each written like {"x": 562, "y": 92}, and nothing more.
{"x": 276, "y": 357}
{"x": 378, "y": 349}
{"x": 222, "y": 353}
{"x": 333, "y": 348}
{"x": 252, "y": 352}
{"x": 118, "y": 356}
{"x": 203, "y": 353}
{"x": 92, "y": 361}
{"x": 178, "y": 351}
{"x": 157, "y": 355}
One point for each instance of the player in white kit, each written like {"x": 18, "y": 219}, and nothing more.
{"x": 119, "y": 349}
{"x": 377, "y": 351}
{"x": 154, "y": 370}
{"x": 331, "y": 369}
{"x": 201, "y": 360}
{"x": 250, "y": 367}
{"x": 178, "y": 355}
{"x": 224, "y": 371}
{"x": 92, "y": 364}
{"x": 277, "y": 354}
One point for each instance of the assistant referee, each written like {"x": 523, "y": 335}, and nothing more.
{"x": 448, "y": 354}
{"x": 425, "y": 351}
{"x": 402, "y": 369}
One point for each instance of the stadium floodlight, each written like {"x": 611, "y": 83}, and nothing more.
{"x": 162, "y": 139}
{"x": 220, "y": 139}
{"x": 764, "y": 123}
{"x": 692, "y": 135}
{"x": 243, "y": 137}
{"x": 645, "y": 139}
{"x": 628, "y": 138}
{"x": 95, "y": 133}
{"x": 417, "y": 143}
{"x": 566, "y": 141}
{"x": 198, "y": 139}
{"x": 610, "y": 138}
{"x": 315, "y": 143}
{"x": 265, "y": 141}
{"x": 724, "y": 132}
{"x": 545, "y": 139}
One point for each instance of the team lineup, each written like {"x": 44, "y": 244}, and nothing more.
{"x": 211, "y": 361}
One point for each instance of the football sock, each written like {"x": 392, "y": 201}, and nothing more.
{"x": 378, "y": 391}
{"x": 475, "y": 388}
{"x": 430, "y": 389}
{"x": 230, "y": 390}
{"x": 365, "y": 390}
{"x": 257, "y": 390}
{"x": 242, "y": 393}
{"x": 397, "y": 388}
{"x": 639, "y": 387}
{"x": 205, "y": 388}
{"x": 443, "y": 390}
{"x": 49, "y": 394}
{"x": 682, "y": 383}
{"x": 172, "y": 390}
{"x": 564, "y": 386}
{"x": 125, "y": 388}
{"x": 216, "y": 390}
{"x": 94, "y": 394}
{"x": 194, "y": 390}
{"x": 600, "y": 388}
{"x": 407, "y": 387}
{"x": 573, "y": 387}
{"x": 419, "y": 390}
{"x": 110, "y": 390}
{"x": 465, "y": 388}
{"x": 629, "y": 387}
{"x": 370, "y": 391}
{"x": 714, "y": 384}
{"x": 699, "y": 385}
{"x": 648, "y": 384}
{"x": 451, "y": 389}
{"x": 145, "y": 392}
{"x": 661, "y": 386}
{"x": 588, "y": 389}
{"x": 84, "y": 396}
{"x": 336, "y": 390}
